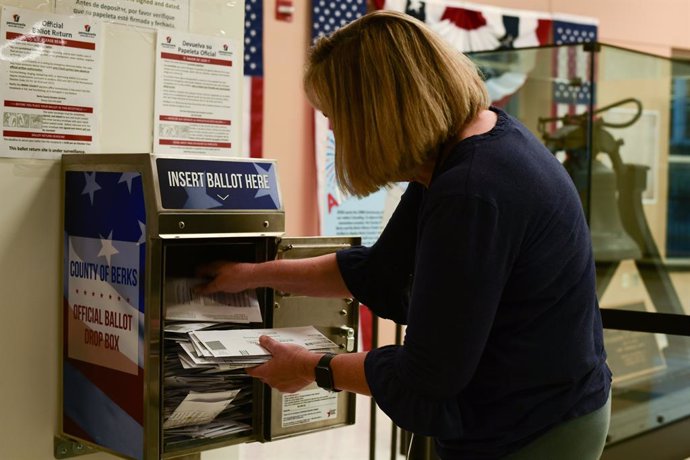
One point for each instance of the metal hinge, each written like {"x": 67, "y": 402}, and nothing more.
{"x": 349, "y": 334}
{"x": 66, "y": 448}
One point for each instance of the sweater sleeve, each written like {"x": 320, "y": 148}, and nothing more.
{"x": 462, "y": 265}
{"x": 379, "y": 276}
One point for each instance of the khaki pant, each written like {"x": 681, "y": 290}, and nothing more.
{"x": 582, "y": 438}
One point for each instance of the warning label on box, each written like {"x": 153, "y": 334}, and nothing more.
{"x": 309, "y": 406}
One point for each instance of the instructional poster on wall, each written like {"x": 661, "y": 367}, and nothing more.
{"x": 196, "y": 90}
{"x": 50, "y": 68}
{"x": 153, "y": 14}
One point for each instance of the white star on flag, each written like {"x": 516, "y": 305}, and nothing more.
{"x": 271, "y": 191}
{"x": 107, "y": 248}
{"x": 91, "y": 186}
{"x": 128, "y": 177}
{"x": 415, "y": 5}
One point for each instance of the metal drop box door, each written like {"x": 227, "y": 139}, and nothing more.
{"x": 131, "y": 225}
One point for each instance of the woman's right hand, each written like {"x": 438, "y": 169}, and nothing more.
{"x": 225, "y": 276}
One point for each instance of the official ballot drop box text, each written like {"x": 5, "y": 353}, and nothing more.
{"x": 133, "y": 223}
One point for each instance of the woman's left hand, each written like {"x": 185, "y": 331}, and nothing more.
{"x": 289, "y": 370}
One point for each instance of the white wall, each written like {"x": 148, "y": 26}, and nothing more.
{"x": 31, "y": 237}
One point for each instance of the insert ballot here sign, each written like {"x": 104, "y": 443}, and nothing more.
{"x": 218, "y": 184}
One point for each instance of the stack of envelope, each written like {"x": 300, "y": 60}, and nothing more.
{"x": 209, "y": 341}
{"x": 203, "y": 399}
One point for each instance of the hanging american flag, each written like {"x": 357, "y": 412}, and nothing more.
{"x": 253, "y": 97}
{"x": 572, "y": 86}
{"x": 329, "y": 15}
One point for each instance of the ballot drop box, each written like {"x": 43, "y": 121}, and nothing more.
{"x": 143, "y": 370}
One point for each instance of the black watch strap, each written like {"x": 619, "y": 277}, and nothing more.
{"x": 324, "y": 373}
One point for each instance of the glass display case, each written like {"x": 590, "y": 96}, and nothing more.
{"x": 619, "y": 122}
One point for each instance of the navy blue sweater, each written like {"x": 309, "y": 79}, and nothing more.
{"x": 491, "y": 269}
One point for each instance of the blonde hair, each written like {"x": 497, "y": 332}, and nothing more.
{"x": 394, "y": 92}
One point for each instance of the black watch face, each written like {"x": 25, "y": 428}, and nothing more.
{"x": 324, "y": 379}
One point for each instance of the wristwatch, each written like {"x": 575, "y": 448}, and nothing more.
{"x": 324, "y": 373}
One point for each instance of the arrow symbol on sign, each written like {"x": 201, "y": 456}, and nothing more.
{"x": 223, "y": 197}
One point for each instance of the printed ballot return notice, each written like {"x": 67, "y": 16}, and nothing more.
{"x": 151, "y": 369}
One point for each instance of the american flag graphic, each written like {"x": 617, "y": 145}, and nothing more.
{"x": 103, "y": 362}
{"x": 253, "y": 97}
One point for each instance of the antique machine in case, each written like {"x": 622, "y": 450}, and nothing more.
{"x": 618, "y": 121}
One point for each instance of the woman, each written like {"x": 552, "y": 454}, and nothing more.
{"x": 487, "y": 258}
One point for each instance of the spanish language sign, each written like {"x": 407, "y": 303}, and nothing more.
{"x": 196, "y": 92}
{"x": 50, "y": 67}
{"x": 153, "y": 14}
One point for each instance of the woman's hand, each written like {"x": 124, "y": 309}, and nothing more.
{"x": 290, "y": 369}
{"x": 226, "y": 277}
{"x": 317, "y": 276}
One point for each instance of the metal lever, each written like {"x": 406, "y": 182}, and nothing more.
{"x": 349, "y": 334}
